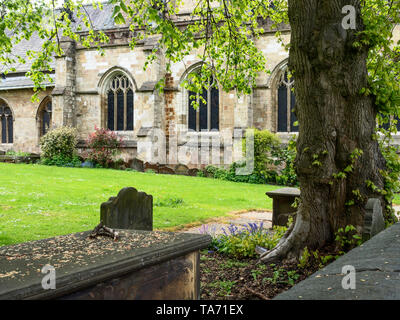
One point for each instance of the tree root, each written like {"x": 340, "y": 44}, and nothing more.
{"x": 257, "y": 294}
{"x": 291, "y": 244}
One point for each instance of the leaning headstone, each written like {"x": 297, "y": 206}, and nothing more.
{"x": 137, "y": 165}
{"x": 150, "y": 166}
{"x": 165, "y": 170}
{"x": 193, "y": 172}
{"x": 373, "y": 220}
{"x": 181, "y": 169}
{"x": 130, "y": 209}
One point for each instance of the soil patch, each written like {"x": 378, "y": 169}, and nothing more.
{"x": 226, "y": 278}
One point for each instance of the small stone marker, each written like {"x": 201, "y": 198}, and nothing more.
{"x": 181, "y": 169}
{"x": 373, "y": 220}
{"x": 131, "y": 209}
{"x": 137, "y": 164}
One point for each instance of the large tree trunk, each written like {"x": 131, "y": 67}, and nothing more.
{"x": 334, "y": 119}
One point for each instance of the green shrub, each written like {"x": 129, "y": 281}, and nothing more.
{"x": 58, "y": 146}
{"x": 285, "y": 156}
{"x": 62, "y": 161}
{"x": 265, "y": 143}
{"x": 103, "y": 146}
{"x": 269, "y": 154}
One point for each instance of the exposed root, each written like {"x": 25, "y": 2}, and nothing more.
{"x": 291, "y": 243}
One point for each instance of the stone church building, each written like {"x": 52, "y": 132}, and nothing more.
{"x": 113, "y": 91}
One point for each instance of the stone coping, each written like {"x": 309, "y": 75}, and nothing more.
{"x": 284, "y": 192}
{"x": 377, "y": 272}
{"x": 81, "y": 262}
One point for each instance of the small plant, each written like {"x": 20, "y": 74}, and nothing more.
{"x": 314, "y": 258}
{"x": 276, "y": 276}
{"x": 224, "y": 286}
{"x": 172, "y": 202}
{"x": 256, "y": 272}
{"x": 304, "y": 259}
{"x": 292, "y": 277}
{"x": 103, "y": 146}
{"x": 234, "y": 264}
{"x": 347, "y": 238}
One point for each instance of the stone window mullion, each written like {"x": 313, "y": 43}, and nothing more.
{"x": 7, "y": 133}
{"x": 1, "y": 128}
{"x": 115, "y": 109}
{"x": 289, "y": 103}
{"x": 198, "y": 113}
{"x": 125, "y": 108}
{"x": 208, "y": 107}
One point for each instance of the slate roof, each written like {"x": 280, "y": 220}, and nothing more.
{"x": 21, "y": 82}
{"x": 101, "y": 20}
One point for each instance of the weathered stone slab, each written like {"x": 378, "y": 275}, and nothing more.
{"x": 137, "y": 165}
{"x": 193, "y": 172}
{"x": 19, "y": 159}
{"x": 150, "y": 166}
{"x": 377, "y": 266}
{"x": 129, "y": 210}
{"x": 373, "y": 221}
{"x": 181, "y": 169}
{"x": 165, "y": 170}
{"x": 139, "y": 265}
{"x": 282, "y": 200}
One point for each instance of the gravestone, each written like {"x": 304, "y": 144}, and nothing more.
{"x": 150, "y": 166}
{"x": 129, "y": 210}
{"x": 137, "y": 165}
{"x": 193, "y": 172}
{"x": 165, "y": 170}
{"x": 150, "y": 265}
{"x": 181, "y": 169}
{"x": 373, "y": 220}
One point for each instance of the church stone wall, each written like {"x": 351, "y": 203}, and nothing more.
{"x": 26, "y": 134}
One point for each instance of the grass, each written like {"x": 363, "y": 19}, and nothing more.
{"x": 38, "y": 202}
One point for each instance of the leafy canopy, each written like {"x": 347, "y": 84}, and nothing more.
{"x": 223, "y": 34}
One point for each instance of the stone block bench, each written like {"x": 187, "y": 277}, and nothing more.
{"x": 138, "y": 265}
{"x": 377, "y": 273}
{"x": 282, "y": 200}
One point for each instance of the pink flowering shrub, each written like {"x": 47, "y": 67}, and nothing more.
{"x": 103, "y": 145}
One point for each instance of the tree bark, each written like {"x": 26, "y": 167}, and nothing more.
{"x": 334, "y": 121}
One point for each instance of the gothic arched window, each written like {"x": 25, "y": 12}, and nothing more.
{"x": 206, "y": 116}
{"x": 44, "y": 116}
{"x": 6, "y": 124}
{"x": 120, "y": 104}
{"x": 286, "y": 104}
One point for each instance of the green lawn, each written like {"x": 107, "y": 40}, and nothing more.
{"x": 41, "y": 201}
